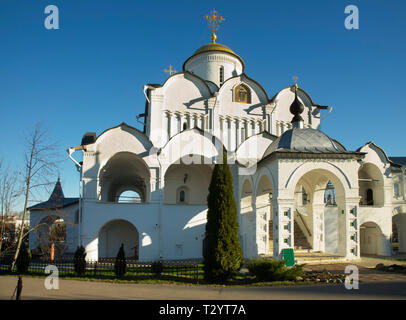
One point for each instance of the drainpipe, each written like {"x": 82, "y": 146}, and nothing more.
{"x": 144, "y": 88}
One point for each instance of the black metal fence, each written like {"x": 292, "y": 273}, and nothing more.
{"x": 176, "y": 270}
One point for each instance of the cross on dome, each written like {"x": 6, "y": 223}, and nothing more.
{"x": 170, "y": 71}
{"x": 214, "y": 19}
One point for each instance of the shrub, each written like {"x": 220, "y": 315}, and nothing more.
{"x": 156, "y": 268}
{"x": 23, "y": 259}
{"x": 222, "y": 253}
{"x": 120, "y": 265}
{"x": 274, "y": 270}
{"x": 80, "y": 261}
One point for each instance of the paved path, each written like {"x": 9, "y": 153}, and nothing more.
{"x": 373, "y": 285}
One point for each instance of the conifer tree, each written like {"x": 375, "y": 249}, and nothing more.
{"x": 222, "y": 253}
{"x": 120, "y": 265}
{"x": 80, "y": 260}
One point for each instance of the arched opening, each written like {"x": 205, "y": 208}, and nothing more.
{"x": 399, "y": 233}
{"x": 51, "y": 231}
{"x": 117, "y": 232}
{"x": 395, "y": 237}
{"x": 187, "y": 184}
{"x": 129, "y": 196}
{"x": 370, "y": 185}
{"x": 247, "y": 218}
{"x": 318, "y": 221}
{"x": 370, "y": 239}
{"x": 124, "y": 172}
{"x": 303, "y": 221}
{"x": 264, "y": 213}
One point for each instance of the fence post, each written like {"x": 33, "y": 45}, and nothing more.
{"x": 95, "y": 268}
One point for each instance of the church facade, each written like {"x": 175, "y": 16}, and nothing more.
{"x": 295, "y": 187}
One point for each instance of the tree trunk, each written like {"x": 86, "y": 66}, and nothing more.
{"x": 27, "y": 192}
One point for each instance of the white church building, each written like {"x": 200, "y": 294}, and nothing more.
{"x": 295, "y": 187}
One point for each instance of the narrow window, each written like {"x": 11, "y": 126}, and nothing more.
{"x": 370, "y": 197}
{"x": 182, "y": 196}
{"x": 221, "y": 75}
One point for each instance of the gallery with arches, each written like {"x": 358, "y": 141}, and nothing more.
{"x": 294, "y": 186}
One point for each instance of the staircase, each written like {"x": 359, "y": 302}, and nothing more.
{"x": 302, "y": 249}
{"x": 317, "y": 258}
{"x": 300, "y": 240}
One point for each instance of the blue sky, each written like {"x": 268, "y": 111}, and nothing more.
{"x": 88, "y": 75}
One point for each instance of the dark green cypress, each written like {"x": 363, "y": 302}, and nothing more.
{"x": 222, "y": 253}
{"x": 120, "y": 265}
{"x": 80, "y": 261}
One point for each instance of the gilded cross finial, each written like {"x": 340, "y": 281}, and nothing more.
{"x": 170, "y": 71}
{"x": 295, "y": 78}
{"x": 214, "y": 19}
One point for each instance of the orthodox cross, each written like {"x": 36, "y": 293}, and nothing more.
{"x": 214, "y": 19}
{"x": 170, "y": 71}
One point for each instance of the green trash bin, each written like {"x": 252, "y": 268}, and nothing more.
{"x": 289, "y": 257}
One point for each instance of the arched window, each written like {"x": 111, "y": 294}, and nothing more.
{"x": 221, "y": 75}
{"x": 129, "y": 196}
{"x": 182, "y": 196}
{"x": 242, "y": 94}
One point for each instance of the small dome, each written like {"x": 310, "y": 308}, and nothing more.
{"x": 305, "y": 140}
{"x": 214, "y": 62}
{"x": 214, "y": 47}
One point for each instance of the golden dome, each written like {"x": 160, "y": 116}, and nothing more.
{"x": 214, "y": 47}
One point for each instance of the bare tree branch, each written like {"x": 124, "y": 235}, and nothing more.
{"x": 40, "y": 164}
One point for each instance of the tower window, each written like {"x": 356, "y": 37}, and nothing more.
{"x": 242, "y": 94}
{"x": 221, "y": 75}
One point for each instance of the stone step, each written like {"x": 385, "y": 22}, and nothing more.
{"x": 300, "y": 239}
